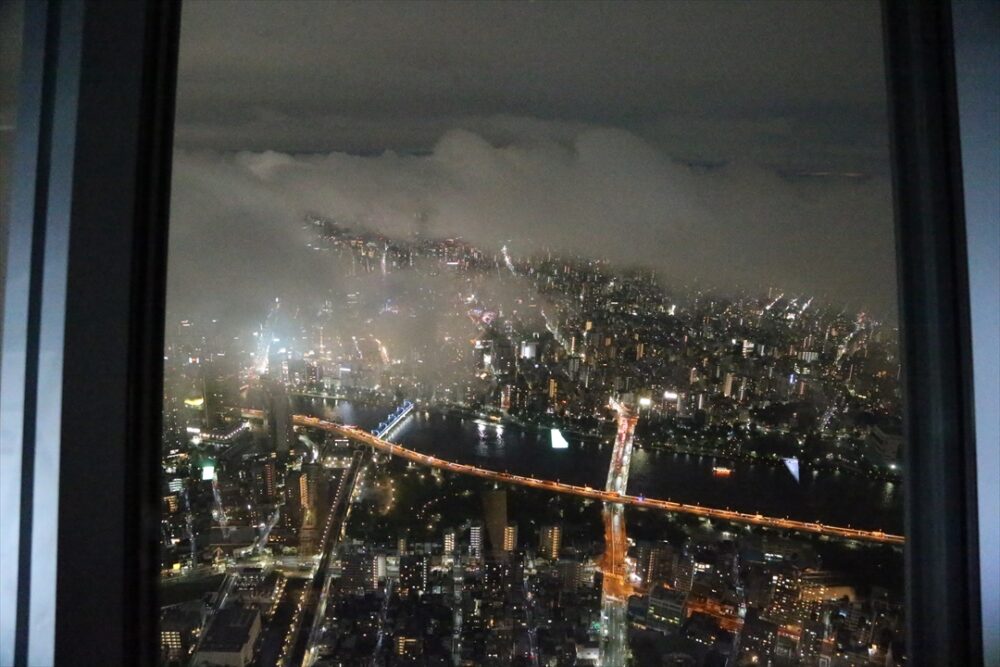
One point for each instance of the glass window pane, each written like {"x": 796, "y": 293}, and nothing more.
{"x": 11, "y": 22}
{"x": 532, "y": 333}
{"x": 11, "y": 25}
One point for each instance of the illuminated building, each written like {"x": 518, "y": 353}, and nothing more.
{"x": 305, "y": 492}
{"x": 660, "y": 568}
{"x": 510, "y": 537}
{"x": 449, "y": 541}
{"x": 180, "y": 626}
{"x": 497, "y": 579}
{"x": 550, "y": 542}
{"x": 171, "y": 503}
{"x": 412, "y": 575}
{"x": 572, "y": 575}
{"x": 408, "y": 647}
{"x": 360, "y": 574}
{"x": 476, "y": 540}
{"x": 785, "y": 591}
{"x": 666, "y": 608}
{"x": 727, "y": 385}
{"x": 264, "y": 476}
{"x": 759, "y": 639}
{"x": 684, "y": 571}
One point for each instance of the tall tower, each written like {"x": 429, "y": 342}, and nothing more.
{"x": 495, "y": 511}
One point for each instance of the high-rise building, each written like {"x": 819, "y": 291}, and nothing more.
{"x": 666, "y": 608}
{"x": 660, "y": 568}
{"x": 510, "y": 537}
{"x": 573, "y": 575}
{"x": 495, "y": 512}
{"x": 476, "y": 540}
{"x": 264, "y": 477}
{"x": 727, "y": 385}
{"x": 360, "y": 574}
{"x": 450, "y": 541}
{"x": 305, "y": 492}
{"x": 759, "y": 639}
{"x": 171, "y": 503}
{"x": 279, "y": 418}
{"x": 497, "y": 579}
{"x": 550, "y": 542}
{"x": 785, "y": 590}
{"x": 412, "y": 575}
{"x": 180, "y": 626}
{"x": 408, "y": 647}
{"x": 684, "y": 571}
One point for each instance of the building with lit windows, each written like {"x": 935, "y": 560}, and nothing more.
{"x": 180, "y": 626}
{"x": 550, "y": 541}
{"x": 785, "y": 592}
{"x": 449, "y": 541}
{"x": 476, "y": 540}
{"x": 360, "y": 574}
{"x": 412, "y": 575}
{"x": 666, "y": 608}
{"x": 510, "y": 537}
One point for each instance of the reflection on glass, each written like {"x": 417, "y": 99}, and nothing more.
{"x": 11, "y": 23}
{"x": 570, "y": 343}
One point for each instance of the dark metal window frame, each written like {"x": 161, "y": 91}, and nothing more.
{"x": 84, "y": 327}
{"x": 942, "y": 553}
{"x": 100, "y": 83}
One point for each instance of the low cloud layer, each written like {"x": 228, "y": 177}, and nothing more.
{"x": 237, "y": 241}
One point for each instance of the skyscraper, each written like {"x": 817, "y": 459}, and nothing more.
{"x": 476, "y": 540}
{"x": 510, "y": 537}
{"x": 449, "y": 541}
{"x": 495, "y": 511}
{"x": 550, "y": 541}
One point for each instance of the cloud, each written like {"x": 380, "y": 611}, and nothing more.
{"x": 598, "y": 192}
{"x": 775, "y": 81}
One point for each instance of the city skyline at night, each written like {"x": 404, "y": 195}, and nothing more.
{"x": 531, "y": 334}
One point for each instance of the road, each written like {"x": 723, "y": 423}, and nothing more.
{"x": 597, "y": 494}
{"x": 303, "y": 652}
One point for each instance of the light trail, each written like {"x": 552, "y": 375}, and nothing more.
{"x": 615, "y": 589}
{"x": 598, "y": 494}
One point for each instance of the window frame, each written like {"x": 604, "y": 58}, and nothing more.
{"x": 84, "y": 328}
{"x": 939, "y": 487}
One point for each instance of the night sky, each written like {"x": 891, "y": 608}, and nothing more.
{"x": 736, "y": 145}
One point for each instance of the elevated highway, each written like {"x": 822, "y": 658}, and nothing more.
{"x": 597, "y": 494}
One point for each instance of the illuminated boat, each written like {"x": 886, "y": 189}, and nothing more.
{"x": 722, "y": 470}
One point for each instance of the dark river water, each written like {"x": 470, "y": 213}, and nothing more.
{"x": 831, "y": 497}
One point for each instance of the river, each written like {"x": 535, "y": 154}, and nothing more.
{"x": 832, "y": 497}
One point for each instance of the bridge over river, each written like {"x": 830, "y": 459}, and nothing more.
{"x": 604, "y": 495}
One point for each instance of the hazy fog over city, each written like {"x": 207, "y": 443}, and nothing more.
{"x": 532, "y": 333}
{"x": 734, "y": 146}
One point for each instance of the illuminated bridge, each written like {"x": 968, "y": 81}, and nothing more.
{"x": 595, "y": 494}
{"x": 615, "y": 589}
